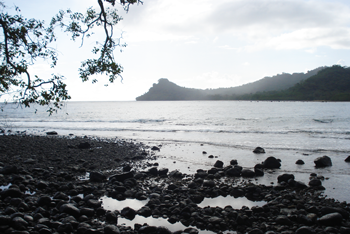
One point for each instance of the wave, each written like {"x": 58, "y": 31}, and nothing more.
{"x": 25, "y": 120}
{"x": 247, "y": 147}
{"x": 336, "y": 134}
{"x": 323, "y": 120}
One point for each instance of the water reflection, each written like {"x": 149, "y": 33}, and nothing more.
{"x": 158, "y": 223}
{"x": 236, "y": 203}
{"x": 112, "y": 204}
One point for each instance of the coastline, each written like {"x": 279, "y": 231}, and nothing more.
{"x": 48, "y": 195}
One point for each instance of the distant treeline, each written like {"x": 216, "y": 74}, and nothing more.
{"x": 331, "y": 83}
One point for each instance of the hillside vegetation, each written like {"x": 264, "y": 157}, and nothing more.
{"x": 331, "y": 83}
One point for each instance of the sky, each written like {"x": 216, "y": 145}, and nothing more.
{"x": 201, "y": 43}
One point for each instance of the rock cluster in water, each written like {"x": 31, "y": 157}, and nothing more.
{"x": 46, "y": 193}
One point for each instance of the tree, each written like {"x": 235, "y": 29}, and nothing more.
{"x": 24, "y": 41}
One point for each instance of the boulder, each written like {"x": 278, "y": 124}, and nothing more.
{"x": 235, "y": 171}
{"x": 315, "y": 182}
{"x": 211, "y": 171}
{"x": 323, "y": 161}
{"x": 145, "y": 211}
{"x": 61, "y": 196}
{"x": 197, "y": 198}
{"x": 209, "y": 183}
{"x": 112, "y": 217}
{"x": 127, "y": 168}
{"x": 65, "y": 227}
{"x": 148, "y": 229}
{"x": 121, "y": 177}
{"x": 219, "y": 164}
{"x": 111, "y": 229}
{"x": 44, "y": 201}
{"x": 97, "y": 177}
{"x": 128, "y": 213}
{"x": 201, "y": 174}
{"x": 153, "y": 171}
{"x": 83, "y": 228}
{"x": 300, "y": 162}
{"x": 283, "y": 220}
{"x": 52, "y": 133}
{"x": 259, "y": 150}
{"x": 248, "y": 173}
{"x": 347, "y": 159}
{"x": 4, "y": 220}
{"x": 331, "y": 219}
{"x": 215, "y": 220}
{"x": 93, "y": 203}
{"x": 271, "y": 163}
{"x": 259, "y": 172}
{"x": 305, "y": 230}
{"x": 89, "y": 212}
{"x": 328, "y": 210}
{"x": 175, "y": 174}
{"x": 163, "y": 230}
{"x": 11, "y": 192}
{"x": 233, "y": 162}
{"x": 70, "y": 209}
{"x": 285, "y": 178}
{"x": 155, "y": 148}
{"x": 163, "y": 171}
{"x": 299, "y": 184}
{"x": 19, "y": 223}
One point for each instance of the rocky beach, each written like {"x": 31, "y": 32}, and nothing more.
{"x": 53, "y": 184}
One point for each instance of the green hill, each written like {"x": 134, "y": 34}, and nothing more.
{"x": 166, "y": 90}
{"x": 332, "y": 83}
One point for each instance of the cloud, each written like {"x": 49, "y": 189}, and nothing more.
{"x": 341, "y": 62}
{"x": 277, "y": 24}
{"x": 227, "y": 47}
{"x": 338, "y": 38}
{"x": 276, "y": 15}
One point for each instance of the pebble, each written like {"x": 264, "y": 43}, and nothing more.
{"x": 61, "y": 203}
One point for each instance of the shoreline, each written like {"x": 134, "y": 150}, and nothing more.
{"x": 48, "y": 168}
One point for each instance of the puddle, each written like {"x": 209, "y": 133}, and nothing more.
{"x": 30, "y": 193}
{"x": 112, "y": 204}
{"x": 236, "y": 203}
{"x": 109, "y": 203}
{"x": 157, "y": 222}
{"x": 4, "y": 187}
{"x": 84, "y": 177}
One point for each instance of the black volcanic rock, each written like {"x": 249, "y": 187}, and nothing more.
{"x": 271, "y": 163}
{"x": 323, "y": 161}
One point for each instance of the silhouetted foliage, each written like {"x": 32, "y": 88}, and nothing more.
{"x": 330, "y": 84}
{"x": 23, "y": 41}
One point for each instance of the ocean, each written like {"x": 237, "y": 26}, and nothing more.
{"x": 225, "y": 129}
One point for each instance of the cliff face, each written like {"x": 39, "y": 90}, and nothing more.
{"x": 280, "y": 87}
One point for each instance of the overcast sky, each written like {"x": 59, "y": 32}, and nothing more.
{"x": 204, "y": 43}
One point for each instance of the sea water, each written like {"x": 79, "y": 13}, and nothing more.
{"x": 225, "y": 129}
